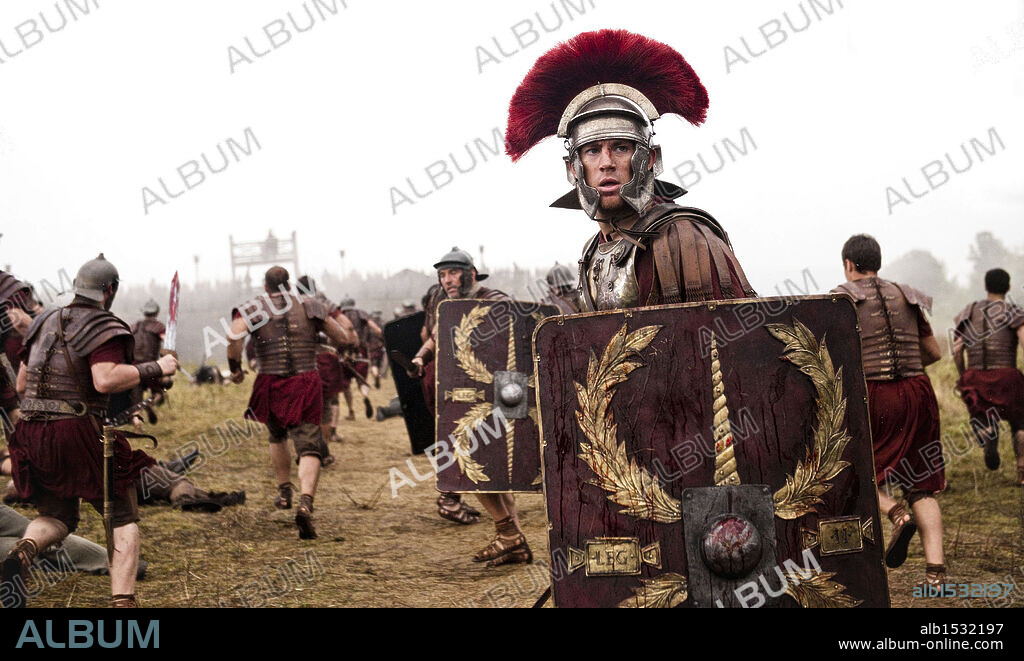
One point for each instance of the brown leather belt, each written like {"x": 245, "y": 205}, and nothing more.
{"x": 54, "y": 406}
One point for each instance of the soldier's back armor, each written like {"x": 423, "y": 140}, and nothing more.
{"x": 59, "y": 375}
{"x": 691, "y": 253}
{"x": 989, "y": 332}
{"x": 285, "y": 334}
{"x": 147, "y": 334}
{"x": 888, "y": 315}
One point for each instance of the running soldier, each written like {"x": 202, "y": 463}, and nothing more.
{"x": 149, "y": 336}
{"x": 286, "y": 395}
{"x": 355, "y": 363}
{"x": 898, "y": 344}
{"x": 988, "y": 332}
{"x": 375, "y": 346}
{"x": 73, "y": 358}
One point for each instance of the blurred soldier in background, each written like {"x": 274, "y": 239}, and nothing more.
{"x": 988, "y": 332}
{"x": 356, "y": 360}
{"x": 562, "y": 289}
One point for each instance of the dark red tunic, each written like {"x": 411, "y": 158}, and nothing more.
{"x": 287, "y": 400}
{"x": 905, "y": 433}
{"x": 65, "y": 457}
{"x": 331, "y": 380}
{"x": 1001, "y": 389}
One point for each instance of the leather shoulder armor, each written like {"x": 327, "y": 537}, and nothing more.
{"x": 915, "y": 297}
{"x": 88, "y": 329}
{"x": 10, "y": 286}
{"x": 316, "y": 309}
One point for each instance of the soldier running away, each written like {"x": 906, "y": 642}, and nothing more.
{"x": 286, "y": 395}
{"x": 329, "y": 368}
{"x": 73, "y": 358}
{"x": 898, "y": 343}
{"x": 356, "y": 361}
{"x": 988, "y": 332}
{"x": 149, "y": 336}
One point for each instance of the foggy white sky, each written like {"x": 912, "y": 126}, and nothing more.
{"x": 368, "y": 97}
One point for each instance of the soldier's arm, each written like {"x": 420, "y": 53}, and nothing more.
{"x": 375, "y": 329}
{"x": 22, "y": 383}
{"x": 110, "y": 377}
{"x": 1020, "y": 335}
{"x": 236, "y": 342}
{"x": 341, "y": 330}
{"x": 19, "y": 320}
{"x": 958, "y": 355}
{"x": 930, "y": 351}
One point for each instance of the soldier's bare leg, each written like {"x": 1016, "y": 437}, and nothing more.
{"x": 365, "y": 390}
{"x": 308, "y": 441}
{"x": 509, "y": 545}
{"x": 903, "y": 523}
{"x": 309, "y": 474}
{"x": 45, "y": 531}
{"x": 348, "y": 402}
{"x": 988, "y": 438}
{"x": 281, "y": 459}
{"x": 929, "y": 521}
{"x": 125, "y": 565}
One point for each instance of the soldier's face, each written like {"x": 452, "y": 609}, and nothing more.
{"x": 607, "y": 165}
{"x": 452, "y": 281}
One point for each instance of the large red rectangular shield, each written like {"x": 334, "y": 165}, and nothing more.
{"x": 486, "y": 413}
{"x": 713, "y": 454}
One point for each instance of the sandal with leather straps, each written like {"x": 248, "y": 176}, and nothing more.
{"x": 284, "y": 496}
{"x": 903, "y": 532}
{"x": 508, "y": 547}
{"x": 934, "y": 579}
{"x": 463, "y": 513}
{"x": 14, "y": 573}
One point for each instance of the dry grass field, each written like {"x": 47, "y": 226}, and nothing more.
{"x": 377, "y": 551}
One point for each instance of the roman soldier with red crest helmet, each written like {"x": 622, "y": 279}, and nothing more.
{"x": 601, "y": 92}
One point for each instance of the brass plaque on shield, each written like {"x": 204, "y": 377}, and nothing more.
{"x": 840, "y": 535}
{"x": 613, "y": 556}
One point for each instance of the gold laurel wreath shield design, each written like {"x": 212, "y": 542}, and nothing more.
{"x": 803, "y": 490}
{"x": 467, "y": 360}
{"x": 473, "y": 470}
{"x": 628, "y": 484}
{"x": 818, "y": 591}
{"x": 666, "y": 590}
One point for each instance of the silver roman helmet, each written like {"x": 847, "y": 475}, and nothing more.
{"x": 607, "y": 112}
{"x": 94, "y": 278}
{"x": 561, "y": 277}
{"x": 607, "y": 84}
{"x": 151, "y": 308}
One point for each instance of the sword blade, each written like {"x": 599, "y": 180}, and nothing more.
{"x": 171, "y": 335}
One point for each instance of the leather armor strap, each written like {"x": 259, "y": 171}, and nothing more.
{"x": 664, "y": 262}
{"x": 149, "y": 370}
{"x": 83, "y": 393}
{"x": 52, "y": 406}
{"x": 720, "y": 260}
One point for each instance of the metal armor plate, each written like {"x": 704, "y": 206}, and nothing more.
{"x": 731, "y": 436}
